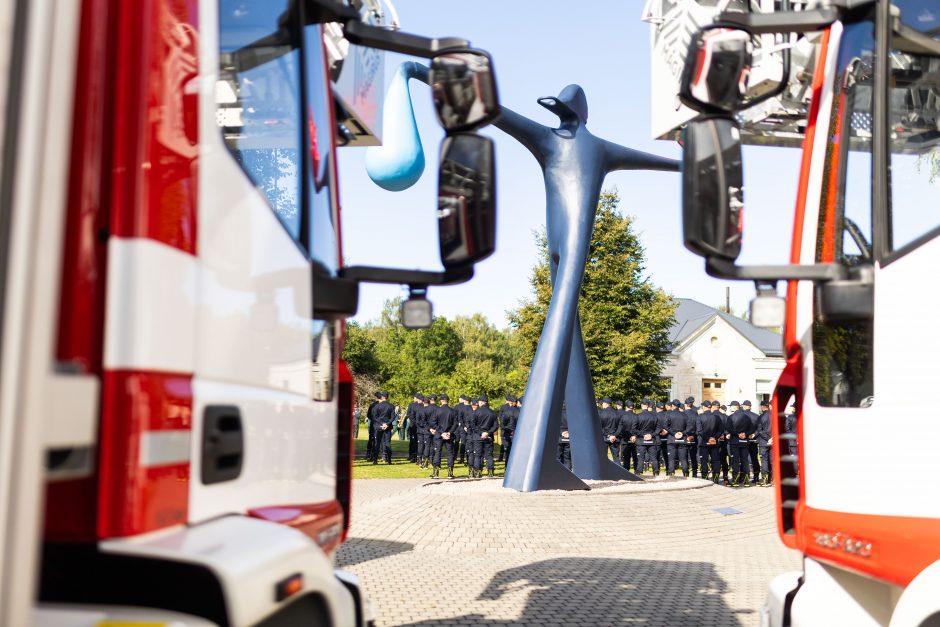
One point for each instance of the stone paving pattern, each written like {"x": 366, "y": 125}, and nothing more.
{"x": 473, "y": 553}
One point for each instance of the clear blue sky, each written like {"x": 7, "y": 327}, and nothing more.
{"x": 537, "y": 50}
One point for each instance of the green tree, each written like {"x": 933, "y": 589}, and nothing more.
{"x": 624, "y": 317}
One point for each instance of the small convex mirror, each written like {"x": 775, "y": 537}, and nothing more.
{"x": 768, "y": 311}
{"x": 712, "y": 188}
{"x": 728, "y": 69}
{"x": 417, "y": 313}
{"x": 464, "y": 89}
{"x": 466, "y": 199}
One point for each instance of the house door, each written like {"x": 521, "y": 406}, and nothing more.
{"x": 713, "y": 390}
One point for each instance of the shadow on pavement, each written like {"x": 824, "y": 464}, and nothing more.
{"x": 601, "y": 591}
{"x": 358, "y": 550}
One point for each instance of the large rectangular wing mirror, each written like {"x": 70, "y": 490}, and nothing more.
{"x": 712, "y": 188}
{"x": 466, "y": 200}
{"x": 463, "y": 86}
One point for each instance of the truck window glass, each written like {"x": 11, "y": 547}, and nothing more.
{"x": 258, "y": 102}
{"x": 322, "y": 236}
{"x": 914, "y": 212}
{"x": 843, "y": 350}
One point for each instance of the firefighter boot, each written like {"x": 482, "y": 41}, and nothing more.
{"x": 434, "y": 473}
{"x": 450, "y": 472}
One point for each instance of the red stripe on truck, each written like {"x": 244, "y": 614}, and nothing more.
{"x": 137, "y": 494}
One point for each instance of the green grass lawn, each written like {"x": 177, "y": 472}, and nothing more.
{"x": 401, "y": 468}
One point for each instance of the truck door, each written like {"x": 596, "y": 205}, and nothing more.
{"x": 264, "y": 388}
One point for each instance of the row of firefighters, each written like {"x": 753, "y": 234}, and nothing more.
{"x": 726, "y": 444}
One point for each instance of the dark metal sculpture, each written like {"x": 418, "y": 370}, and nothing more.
{"x": 574, "y": 163}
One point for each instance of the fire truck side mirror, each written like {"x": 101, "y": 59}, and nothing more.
{"x": 712, "y": 188}
{"x": 464, "y": 89}
{"x": 466, "y": 214}
{"x": 729, "y": 69}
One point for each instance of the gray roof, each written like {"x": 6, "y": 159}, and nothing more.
{"x": 691, "y": 315}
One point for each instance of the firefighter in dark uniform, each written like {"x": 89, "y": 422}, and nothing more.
{"x": 383, "y": 416}
{"x": 610, "y": 427}
{"x": 628, "y": 452}
{"x": 662, "y": 453}
{"x": 765, "y": 441}
{"x": 617, "y": 454}
{"x": 676, "y": 442}
{"x": 739, "y": 428}
{"x": 411, "y": 415}
{"x": 371, "y": 449}
{"x": 710, "y": 428}
{"x": 460, "y": 437}
{"x": 564, "y": 439}
{"x": 485, "y": 424}
{"x": 441, "y": 427}
{"x": 424, "y": 435}
{"x": 509, "y": 430}
{"x": 504, "y": 413}
{"x": 691, "y": 421}
{"x": 722, "y": 412}
{"x": 647, "y": 437}
{"x": 752, "y": 446}
{"x": 469, "y": 437}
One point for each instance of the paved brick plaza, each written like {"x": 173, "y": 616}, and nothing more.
{"x": 471, "y": 553}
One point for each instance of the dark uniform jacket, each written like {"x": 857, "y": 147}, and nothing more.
{"x": 370, "y": 414}
{"x": 505, "y": 415}
{"x": 628, "y": 424}
{"x": 647, "y": 423}
{"x": 383, "y": 414}
{"x": 763, "y": 428}
{"x": 564, "y": 426}
{"x": 610, "y": 423}
{"x": 739, "y": 422}
{"x": 411, "y": 415}
{"x": 691, "y": 424}
{"x": 709, "y": 425}
{"x": 423, "y": 417}
{"x": 675, "y": 424}
{"x": 444, "y": 420}
{"x": 754, "y": 420}
{"x": 484, "y": 419}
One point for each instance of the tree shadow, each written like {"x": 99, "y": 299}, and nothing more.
{"x": 358, "y": 550}
{"x": 601, "y": 591}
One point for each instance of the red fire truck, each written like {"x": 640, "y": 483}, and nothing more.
{"x": 175, "y": 423}
{"x": 855, "y": 84}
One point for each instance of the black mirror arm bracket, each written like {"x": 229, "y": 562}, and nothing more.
{"x": 780, "y": 22}
{"x": 372, "y": 274}
{"x": 819, "y": 272}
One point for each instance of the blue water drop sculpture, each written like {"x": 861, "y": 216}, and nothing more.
{"x": 398, "y": 163}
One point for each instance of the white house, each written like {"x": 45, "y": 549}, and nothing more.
{"x": 716, "y": 356}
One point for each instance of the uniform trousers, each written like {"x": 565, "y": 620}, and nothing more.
{"x": 438, "y": 443}
{"x": 649, "y": 454}
{"x": 766, "y": 467}
{"x": 483, "y": 450}
{"x": 752, "y": 449}
{"x": 564, "y": 454}
{"x": 383, "y": 444}
{"x": 507, "y": 443}
{"x": 678, "y": 457}
{"x": 412, "y": 442}
{"x": 691, "y": 451}
{"x": 628, "y": 456}
{"x": 740, "y": 461}
{"x": 709, "y": 460}
{"x": 723, "y": 455}
{"x": 424, "y": 444}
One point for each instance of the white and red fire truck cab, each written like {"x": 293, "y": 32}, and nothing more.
{"x": 175, "y": 421}
{"x": 856, "y": 479}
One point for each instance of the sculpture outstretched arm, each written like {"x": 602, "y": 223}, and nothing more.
{"x": 623, "y": 158}
{"x": 530, "y": 134}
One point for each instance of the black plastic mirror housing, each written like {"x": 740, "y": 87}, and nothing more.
{"x": 712, "y": 188}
